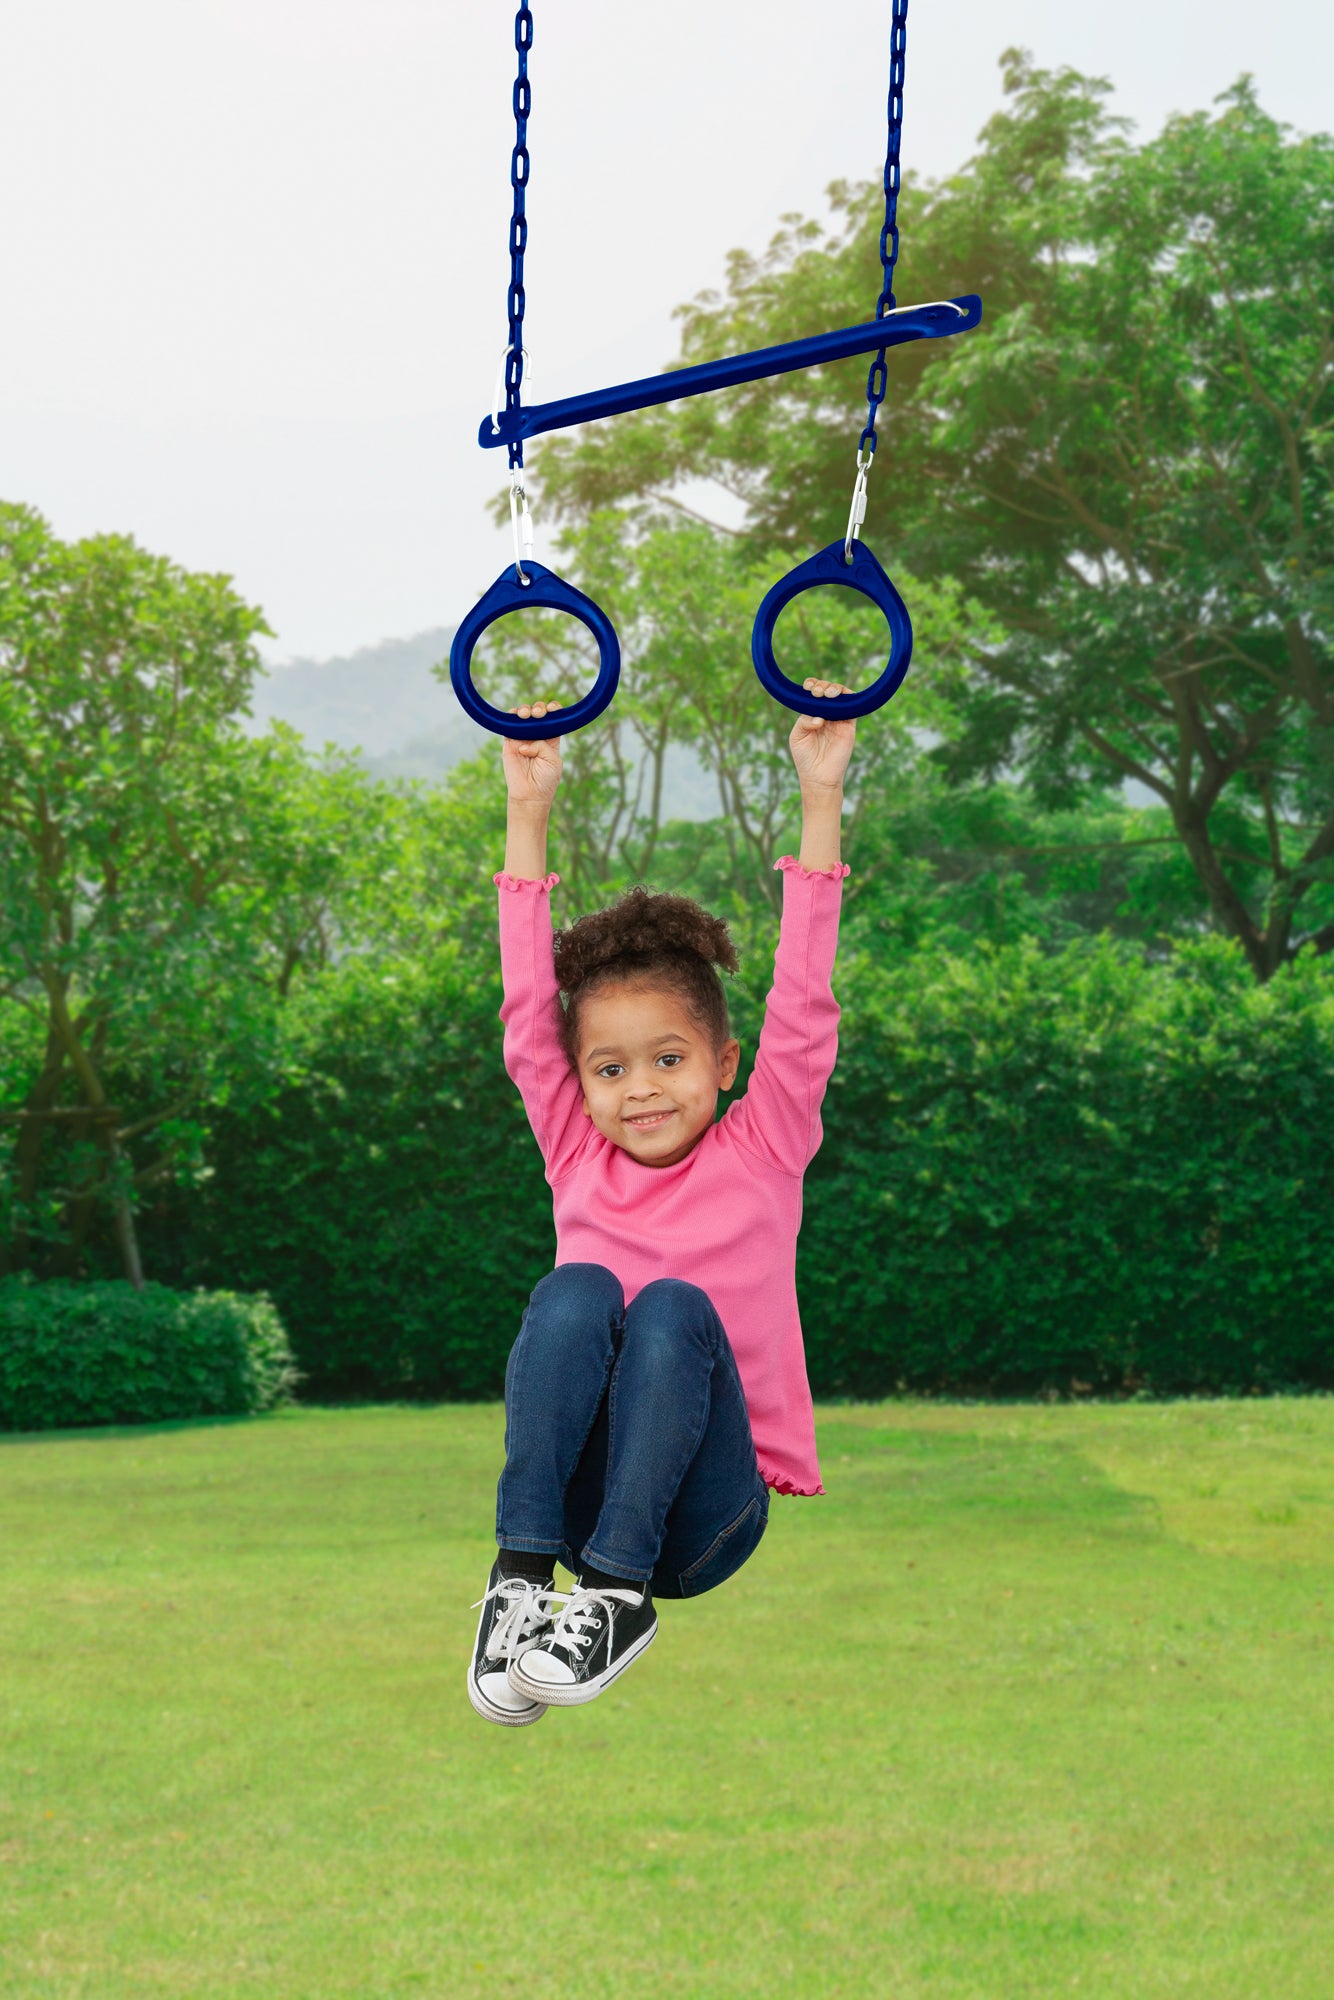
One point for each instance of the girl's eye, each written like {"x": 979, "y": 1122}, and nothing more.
{"x": 611, "y": 1070}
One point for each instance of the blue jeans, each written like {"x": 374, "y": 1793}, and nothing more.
{"x": 627, "y": 1443}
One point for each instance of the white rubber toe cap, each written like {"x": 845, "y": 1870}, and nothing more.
{"x": 500, "y": 1694}
{"x": 546, "y": 1670}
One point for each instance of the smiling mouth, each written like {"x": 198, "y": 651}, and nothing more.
{"x": 649, "y": 1120}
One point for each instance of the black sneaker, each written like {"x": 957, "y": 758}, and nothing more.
{"x": 593, "y": 1639}
{"x": 515, "y": 1616}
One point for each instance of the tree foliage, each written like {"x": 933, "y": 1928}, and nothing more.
{"x": 1127, "y": 468}
{"x": 119, "y": 824}
{"x": 163, "y": 879}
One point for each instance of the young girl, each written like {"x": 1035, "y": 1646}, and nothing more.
{"x": 657, "y": 1388}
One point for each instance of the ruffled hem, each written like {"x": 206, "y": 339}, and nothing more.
{"x": 781, "y": 1483}
{"x": 835, "y": 872}
{"x": 516, "y": 882}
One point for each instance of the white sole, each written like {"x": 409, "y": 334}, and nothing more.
{"x": 582, "y": 1691}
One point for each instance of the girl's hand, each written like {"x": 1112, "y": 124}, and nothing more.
{"x": 821, "y": 746}
{"x": 532, "y": 770}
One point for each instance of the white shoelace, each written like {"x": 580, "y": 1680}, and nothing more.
{"x": 577, "y": 1622}
{"x": 523, "y": 1617}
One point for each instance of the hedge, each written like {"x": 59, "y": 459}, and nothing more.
{"x": 390, "y": 1199}
{"x": 104, "y": 1353}
{"x": 1055, "y": 1171}
{"x": 1040, "y": 1170}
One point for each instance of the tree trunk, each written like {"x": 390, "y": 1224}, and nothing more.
{"x": 127, "y": 1237}
{"x": 95, "y": 1097}
{"x": 1234, "y": 919}
{"x": 28, "y": 1152}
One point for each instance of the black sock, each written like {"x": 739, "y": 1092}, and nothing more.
{"x": 522, "y": 1562}
{"x": 598, "y": 1579}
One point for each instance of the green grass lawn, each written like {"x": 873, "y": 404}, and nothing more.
{"x": 1038, "y": 1701}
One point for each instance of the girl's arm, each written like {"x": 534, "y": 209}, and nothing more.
{"x": 821, "y": 825}
{"x": 820, "y": 750}
{"x": 532, "y": 773}
{"x": 526, "y": 840}
{"x": 779, "y": 1116}
{"x": 531, "y": 1009}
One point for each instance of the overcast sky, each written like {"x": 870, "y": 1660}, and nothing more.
{"x": 255, "y": 250}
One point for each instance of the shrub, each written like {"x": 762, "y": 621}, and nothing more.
{"x": 389, "y": 1199}
{"x": 1040, "y": 1168}
{"x": 104, "y": 1353}
{"x": 1048, "y": 1169}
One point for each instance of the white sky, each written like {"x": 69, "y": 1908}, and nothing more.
{"x": 255, "y": 250}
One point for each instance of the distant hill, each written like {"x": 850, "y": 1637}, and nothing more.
{"x": 381, "y": 701}
{"x": 384, "y": 702}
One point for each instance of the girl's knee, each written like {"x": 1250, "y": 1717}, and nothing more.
{"x": 677, "y": 1294}
{"x": 669, "y": 1311}
{"x": 576, "y": 1295}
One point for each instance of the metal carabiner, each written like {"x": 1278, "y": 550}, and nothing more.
{"x": 857, "y": 511}
{"x": 521, "y": 522}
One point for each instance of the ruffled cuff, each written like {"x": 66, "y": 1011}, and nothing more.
{"x": 835, "y": 872}
{"x": 784, "y": 1483}
{"x": 516, "y": 882}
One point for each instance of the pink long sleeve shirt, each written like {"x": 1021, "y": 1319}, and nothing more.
{"x": 726, "y": 1217}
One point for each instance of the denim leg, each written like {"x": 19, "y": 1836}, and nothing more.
{"x": 658, "y": 1411}
{"x": 721, "y": 1509}
{"x": 555, "y": 1384}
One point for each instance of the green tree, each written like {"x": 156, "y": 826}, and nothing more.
{"x": 1127, "y": 468}
{"x": 118, "y": 676}
{"x": 162, "y": 878}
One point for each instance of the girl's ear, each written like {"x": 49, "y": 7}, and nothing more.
{"x": 729, "y": 1062}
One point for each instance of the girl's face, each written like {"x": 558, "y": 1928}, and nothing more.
{"x": 651, "y": 1076}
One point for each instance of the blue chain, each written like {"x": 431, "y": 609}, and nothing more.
{"x": 876, "y": 380}
{"x": 523, "y": 101}
{"x": 889, "y": 234}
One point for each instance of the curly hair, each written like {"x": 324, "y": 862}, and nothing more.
{"x": 667, "y": 942}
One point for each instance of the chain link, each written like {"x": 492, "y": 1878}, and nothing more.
{"x": 889, "y": 234}
{"x": 877, "y": 378}
{"x": 519, "y": 164}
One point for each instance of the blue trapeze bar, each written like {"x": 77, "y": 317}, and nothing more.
{"x": 931, "y": 322}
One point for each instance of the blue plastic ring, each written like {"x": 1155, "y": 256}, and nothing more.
{"x": 506, "y": 594}
{"x": 863, "y": 574}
